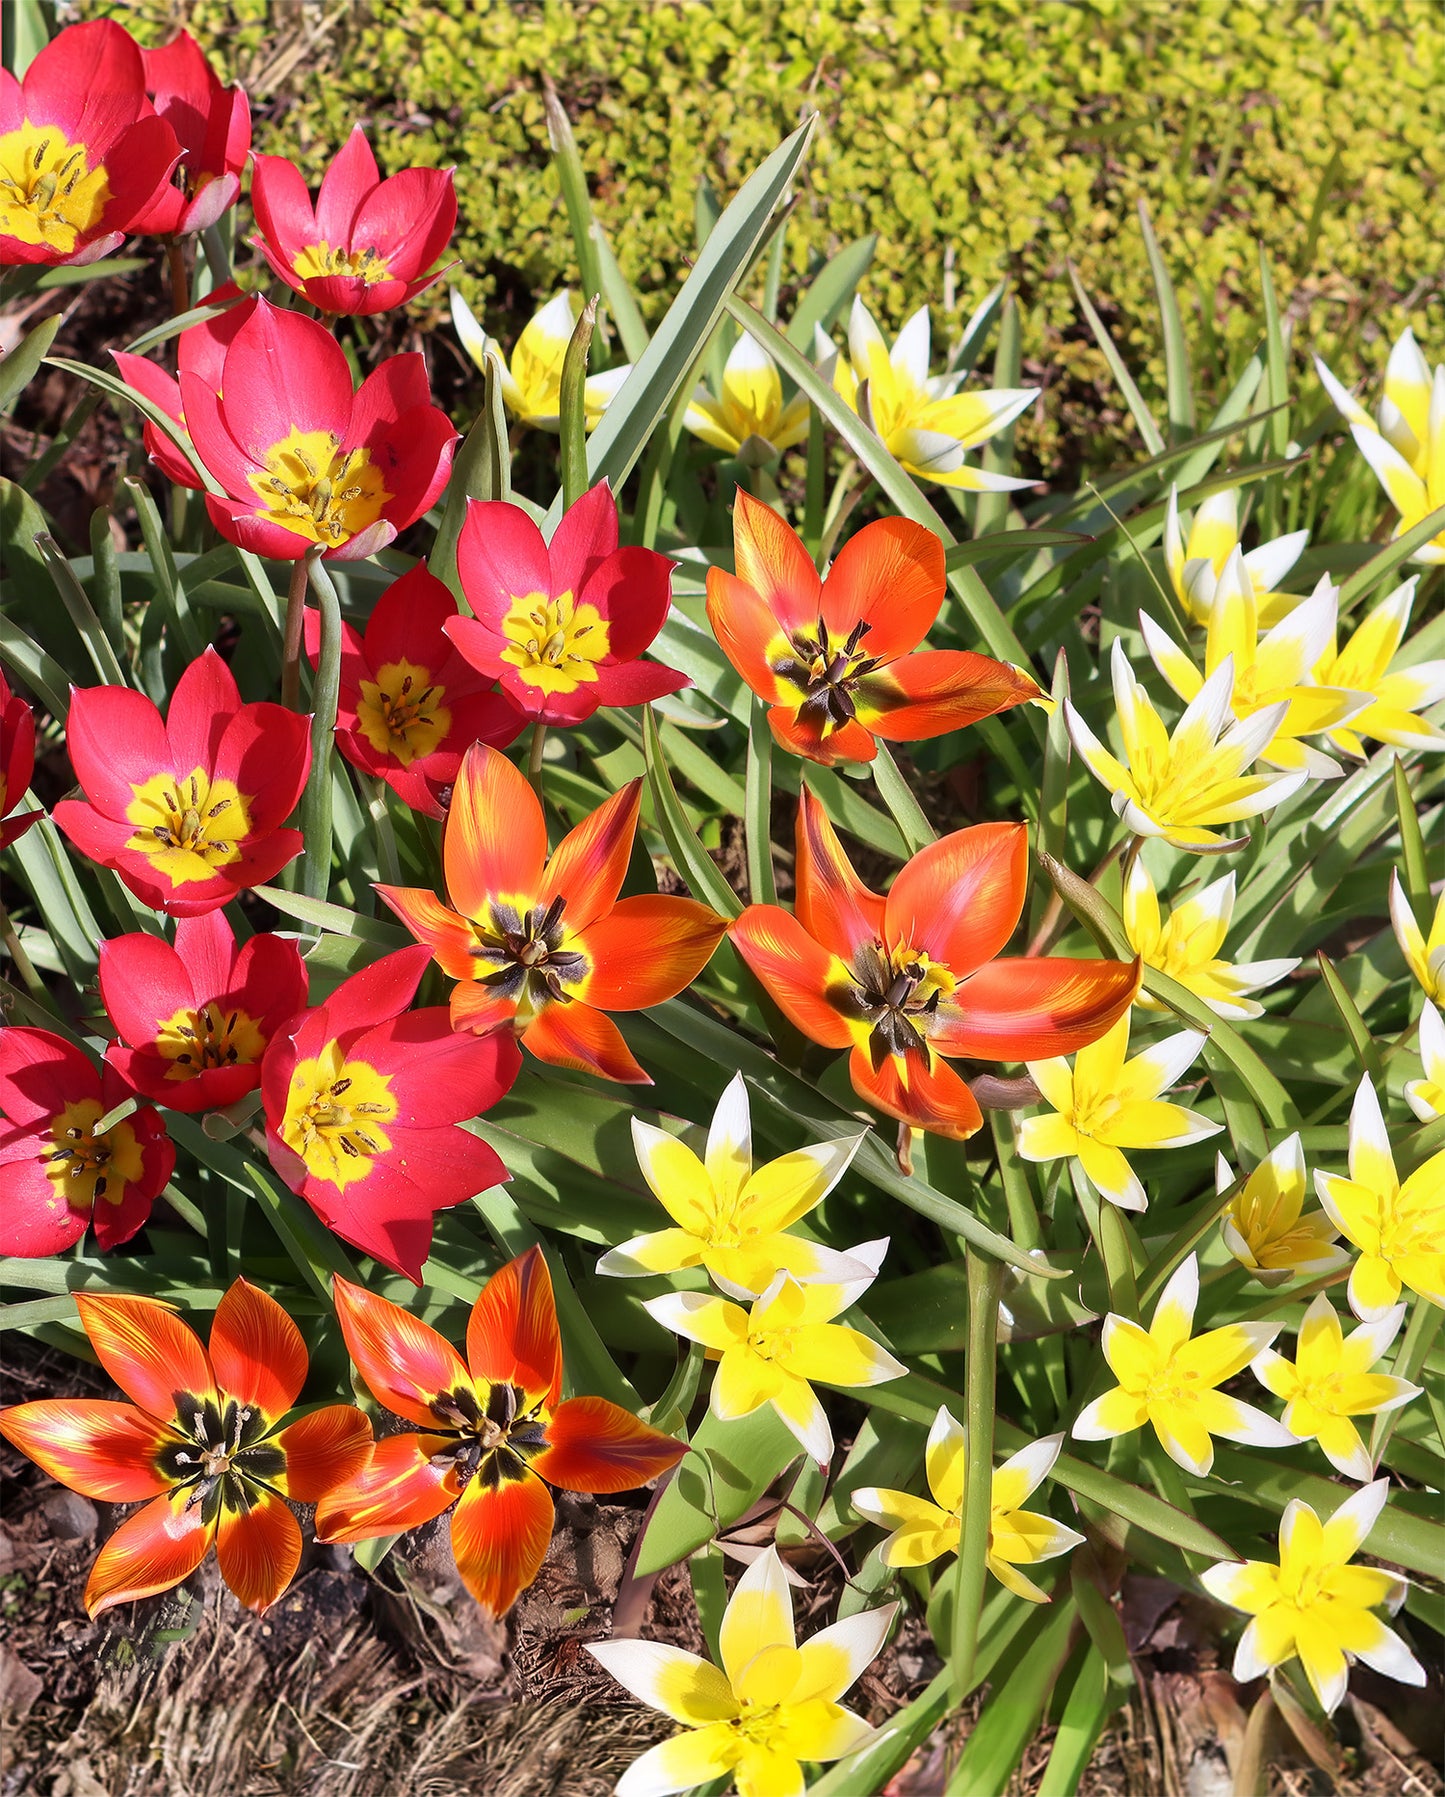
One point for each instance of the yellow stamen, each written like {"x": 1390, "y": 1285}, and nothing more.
{"x": 319, "y": 259}
{"x": 189, "y": 827}
{"x": 401, "y": 714}
{"x": 334, "y": 1115}
{"x": 556, "y": 643}
{"x": 49, "y": 193}
{"x": 312, "y": 488}
{"x": 84, "y": 1166}
{"x": 217, "y": 1035}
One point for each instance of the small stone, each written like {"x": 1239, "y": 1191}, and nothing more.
{"x": 69, "y": 1516}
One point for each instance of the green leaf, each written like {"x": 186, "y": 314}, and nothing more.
{"x": 905, "y": 810}
{"x": 1399, "y": 549}
{"x": 1414, "y": 873}
{"x": 829, "y": 292}
{"x": 1178, "y": 381}
{"x": 1012, "y": 545}
{"x": 572, "y": 177}
{"x": 1363, "y": 1043}
{"x": 1089, "y": 1706}
{"x": 758, "y": 801}
{"x": 729, "y": 1467}
{"x": 994, "y": 1748}
{"x": 336, "y": 918}
{"x": 117, "y": 389}
{"x": 572, "y": 406}
{"x": 692, "y": 860}
{"x": 21, "y": 365}
{"x": 482, "y": 470}
{"x": 1133, "y": 398}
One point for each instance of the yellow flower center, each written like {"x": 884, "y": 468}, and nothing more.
{"x": 401, "y": 713}
{"x": 194, "y": 1042}
{"x": 555, "y": 643}
{"x": 1173, "y": 1384}
{"x": 319, "y": 259}
{"x": 334, "y": 1113}
{"x": 311, "y": 488}
{"x": 189, "y": 827}
{"x": 84, "y": 1166}
{"x": 49, "y": 193}
{"x": 761, "y": 1725}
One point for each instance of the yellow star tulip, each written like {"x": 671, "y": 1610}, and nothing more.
{"x": 1315, "y": 1604}
{"x": 1168, "y": 1378}
{"x": 1186, "y": 947}
{"x": 731, "y": 1218}
{"x": 770, "y": 1352}
{"x": 1179, "y": 787}
{"x": 1330, "y": 1382}
{"x": 1398, "y": 1229}
{"x": 1424, "y": 955}
{"x": 1270, "y": 670}
{"x": 1105, "y": 1104}
{"x": 1195, "y": 563}
{"x": 532, "y": 381}
{"x": 1396, "y": 697}
{"x": 1263, "y": 1227}
{"x": 922, "y": 1532}
{"x": 771, "y": 1704}
{"x": 927, "y": 424}
{"x": 750, "y": 419}
{"x": 1426, "y": 1097}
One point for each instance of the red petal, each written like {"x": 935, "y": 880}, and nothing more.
{"x": 90, "y": 80}
{"x": 797, "y": 971}
{"x": 116, "y": 742}
{"x": 769, "y": 555}
{"x": 624, "y": 683}
{"x": 803, "y": 734}
{"x": 151, "y": 1354}
{"x": 398, "y": 1489}
{"x": 596, "y": 1446}
{"x": 40, "y": 1074}
{"x": 35, "y": 1221}
{"x": 935, "y": 1099}
{"x": 266, "y": 750}
{"x": 205, "y": 701}
{"x": 282, "y": 205}
{"x": 259, "y": 1549}
{"x": 960, "y": 899}
{"x": 393, "y": 390}
{"x": 372, "y": 996}
{"x": 150, "y": 1552}
{"x": 406, "y": 623}
{"x": 512, "y": 1334}
{"x": 633, "y": 591}
{"x": 833, "y": 903}
{"x": 501, "y": 556}
{"x": 409, "y": 219}
{"x": 747, "y": 631}
{"x": 500, "y": 1536}
{"x": 437, "y": 1075}
{"x": 325, "y": 1449}
{"x": 283, "y": 372}
{"x": 257, "y": 1352}
{"x": 1029, "y": 1009}
{"x": 348, "y": 180}
{"x": 578, "y": 1037}
{"x": 939, "y": 690}
{"x": 403, "y": 1361}
{"x": 890, "y": 576}
{"x": 590, "y": 863}
{"x": 496, "y": 838}
{"x": 585, "y": 538}
{"x": 102, "y": 1449}
{"x": 239, "y": 524}
{"x": 647, "y": 949}
{"x": 206, "y": 948}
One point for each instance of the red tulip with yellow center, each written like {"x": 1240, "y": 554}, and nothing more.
{"x": 909, "y": 981}
{"x": 17, "y": 764}
{"x": 195, "y": 1019}
{"x": 212, "y": 124}
{"x": 302, "y": 458}
{"x": 368, "y": 244}
{"x": 363, "y": 1100}
{"x": 58, "y": 1172}
{"x": 410, "y": 705}
{"x": 492, "y": 1427}
{"x": 836, "y": 660}
{"x": 201, "y": 352}
{"x": 187, "y": 812}
{"x": 202, "y": 1439}
{"x": 83, "y": 156}
{"x": 544, "y": 948}
{"x": 562, "y": 625}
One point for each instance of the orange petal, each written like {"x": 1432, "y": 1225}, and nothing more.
{"x": 150, "y": 1551}
{"x": 647, "y": 949}
{"x": 101, "y": 1449}
{"x": 747, "y": 632}
{"x": 500, "y": 1535}
{"x": 593, "y": 1445}
{"x": 935, "y": 1099}
{"x": 151, "y": 1354}
{"x": 797, "y": 971}
{"x": 769, "y": 555}
{"x": 588, "y": 1041}
{"x": 496, "y": 837}
{"x": 1032, "y": 1008}
{"x": 801, "y": 733}
{"x": 447, "y": 934}
{"x": 590, "y": 862}
{"x": 403, "y": 1360}
{"x": 833, "y": 904}
{"x": 328, "y": 1448}
{"x": 939, "y": 690}
{"x": 259, "y": 1549}
{"x": 256, "y": 1351}
{"x": 890, "y": 576}
{"x": 398, "y": 1489}
{"x": 512, "y": 1335}
{"x": 481, "y": 1009}
{"x": 960, "y": 899}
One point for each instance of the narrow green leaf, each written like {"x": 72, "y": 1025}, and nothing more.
{"x": 20, "y": 367}
{"x": 1276, "y": 360}
{"x": 829, "y": 292}
{"x": 572, "y": 176}
{"x": 996, "y": 1745}
{"x": 621, "y": 302}
{"x": 1178, "y": 379}
{"x": 323, "y": 916}
{"x": 692, "y": 860}
{"x": 1053, "y": 790}
{"x": 1414, "y": 873}
{"x": 169, "y": 606}
{"x": 759, "y": 803}
{"x": 482, "y": 470}
{"x": 105, "y": 579}
{"x": 1363, "y": 1043}
{"x": 572, "y": 406}
{"x": 904, "y": 809}
{"x": 1133, "y": 398}
{"x": 991, "y": 509}
{"x": 315, "y": 812}
{"x": 729, "y": 1467}
{"x": 117, "y": 389}
{"x": 1089, "y": 1706}
{"x": 1380, "y": 567}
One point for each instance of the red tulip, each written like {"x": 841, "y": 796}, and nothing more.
{"x": 195, "y": 1019}
{"x": 544, "y": 948}
{"x": 363, "y": 1099}
{"x": 410, "y": 706}
{"x": 908, "y": 981}
{"x": 188, "y": 812}
{"x": 302, "y": 458}
{"x": 835, "y": 660}
{"x": 17, "y": 763}
{"x": 562, "y": 626}
{"x": 201, "y": 351}
{"x": 367, "y": 245}
{"x": 57, "y": 1174}
{"x": 212, "y": 124}
{"x": 201, "y": 1440}
{"x": 493, "y": 1428}
{"x": 83, "y": 156}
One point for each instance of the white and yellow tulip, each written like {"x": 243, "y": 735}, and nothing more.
{"x": 1426, "y": 1097}
{"x": 1424, "y": 955}
{"x": 1186, "y": 945}
{"x": 1397, "y": 696}
{"x": 532, "y": 379}
{"x": 1195, "y": 561}
{"x": 750, "y": 418}
{"x": 1265, "y": 1227}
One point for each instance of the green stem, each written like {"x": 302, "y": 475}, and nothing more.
{"x": 985, "y": 1280}
{"x": 295, "y": 627}
{"x": 24, "y": 966}
{"x": 315, "y": 817}
{"x": 180, "y": 280}
{"x": 534, "y": 758}
{"x": 1420, "y": 1333}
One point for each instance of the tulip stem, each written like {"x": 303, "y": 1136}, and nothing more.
{"x": 295, "y": 628}
{"x": 315, "y": 816}
{"x": 534, "y": 758}
{"x": 1054, "y": 919}
{"x": 180, "y": 280}
{"x": 24, "y": 966}
{"x": 985, "y": 1280}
